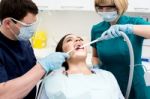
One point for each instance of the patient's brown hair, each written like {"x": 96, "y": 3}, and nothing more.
{"x": 59, "y": 49}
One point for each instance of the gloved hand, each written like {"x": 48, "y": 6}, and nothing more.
{"x": 113, "y": 31}
{"x": 53, "y": 61}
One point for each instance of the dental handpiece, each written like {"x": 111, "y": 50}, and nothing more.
{"x": 84, "y": 45}
{"x": 92, "y": 42}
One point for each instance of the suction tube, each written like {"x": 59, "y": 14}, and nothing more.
{"x": 131, "y": 64}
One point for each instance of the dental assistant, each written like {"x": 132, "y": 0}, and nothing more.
{"x": 19, "y": 69}
{"x": 113, "y": 54}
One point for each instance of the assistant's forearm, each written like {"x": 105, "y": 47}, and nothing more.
{"x": 21, "y": 86}
{"x": 142, "y": 30}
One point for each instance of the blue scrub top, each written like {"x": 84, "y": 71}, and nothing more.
{"x": 16, "y": 58}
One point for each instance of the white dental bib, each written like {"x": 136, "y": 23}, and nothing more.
{"x": 101, "y": 85}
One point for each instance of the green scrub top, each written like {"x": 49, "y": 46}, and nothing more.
{"x": 114, "y": 55}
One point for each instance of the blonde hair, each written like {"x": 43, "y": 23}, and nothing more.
{"x": 121, "y": 5}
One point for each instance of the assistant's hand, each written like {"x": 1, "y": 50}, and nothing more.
{"x": 114, "y": 31}
{"x": 53, "y": 61}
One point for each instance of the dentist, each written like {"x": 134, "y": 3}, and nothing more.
{"x": 19, "y": 69}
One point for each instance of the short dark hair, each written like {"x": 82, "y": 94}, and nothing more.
{"x": 17, "y": 9}
{"x": 59, "y": 49}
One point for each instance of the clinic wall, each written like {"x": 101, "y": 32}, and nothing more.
{"x": 58, "y": 23}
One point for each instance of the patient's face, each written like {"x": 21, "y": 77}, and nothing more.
{"x": 74, "y": 42}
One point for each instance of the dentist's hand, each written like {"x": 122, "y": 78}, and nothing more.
{"x": 53, "y": 61}
{"x": 114, "y": 31}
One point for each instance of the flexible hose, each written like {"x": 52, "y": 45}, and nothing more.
{"x": 38, "y": 95}
{"x": 131, "y": 64}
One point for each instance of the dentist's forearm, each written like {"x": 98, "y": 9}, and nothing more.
{"x": 18, "y": 88}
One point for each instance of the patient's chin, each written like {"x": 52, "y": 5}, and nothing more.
{"x": 80, "y": 54}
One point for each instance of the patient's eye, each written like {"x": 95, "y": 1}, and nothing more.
{"x": 73, "y": 39}
{"x": 68, "y": 40}
{"x": 81, "y": 39}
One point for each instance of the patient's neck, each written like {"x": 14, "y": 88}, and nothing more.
{"x": 78, "y": 66}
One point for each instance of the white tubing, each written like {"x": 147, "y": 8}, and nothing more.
{"x": 38, "y": 95}
{"x": 131, "y": 64}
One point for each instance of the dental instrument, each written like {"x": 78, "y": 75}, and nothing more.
{"x": 70, "y": 51}
{"x": 94, "y": 41}
{"x": 131, "y": 62}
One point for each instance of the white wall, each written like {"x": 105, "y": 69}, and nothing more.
{"x": 58, "y": 23}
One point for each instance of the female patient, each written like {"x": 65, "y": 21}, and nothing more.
{"x": 75, "y": 80}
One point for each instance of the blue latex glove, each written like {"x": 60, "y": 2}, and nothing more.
{"x": 53, "y": 61}
{"x": 113, "y": 31}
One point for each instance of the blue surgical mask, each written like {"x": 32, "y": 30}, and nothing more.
{"x": 109, "y": 16}
{"x": 26, "y": 32}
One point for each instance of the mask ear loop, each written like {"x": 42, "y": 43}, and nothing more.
{"x": 12, "y": 20}
{"x": 15, "y": 35}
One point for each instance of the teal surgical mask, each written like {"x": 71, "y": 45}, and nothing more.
{"x": 108, "y": 16}
{"x": 26, "y": 31}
